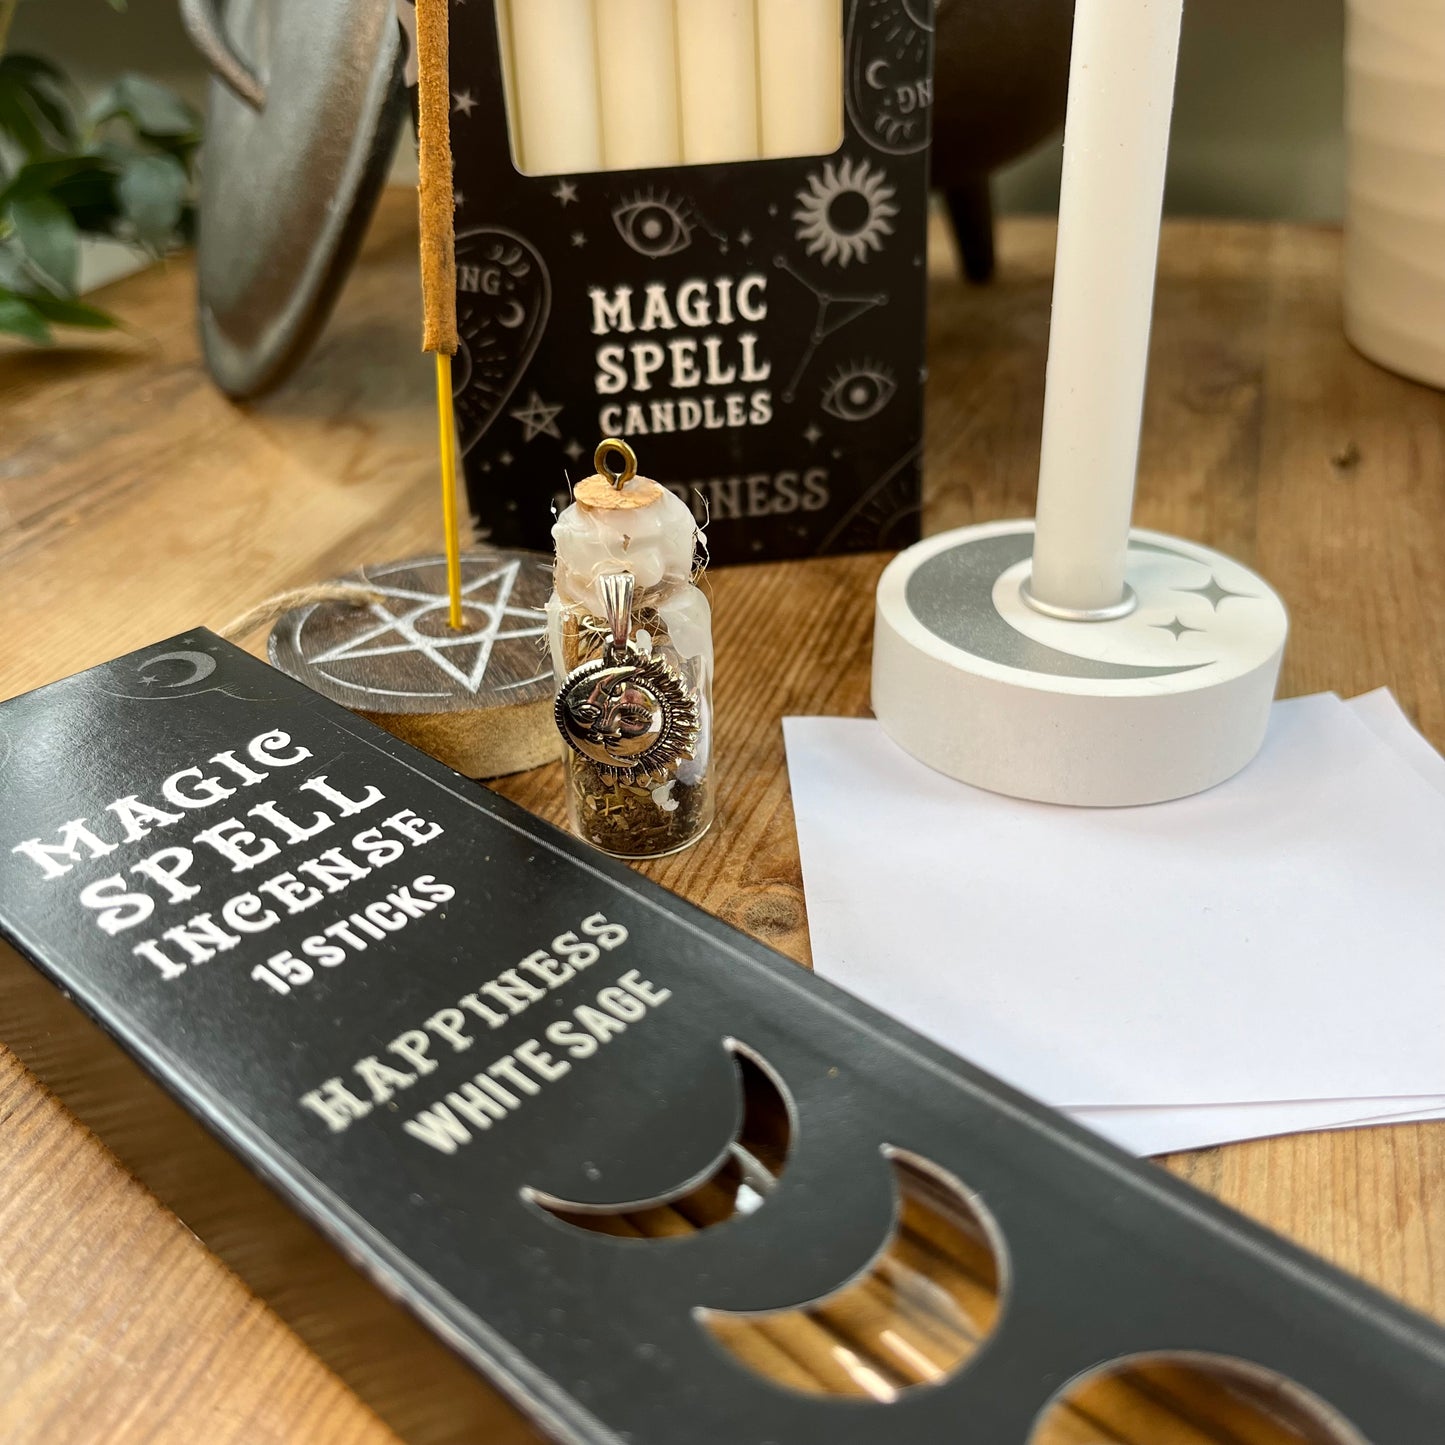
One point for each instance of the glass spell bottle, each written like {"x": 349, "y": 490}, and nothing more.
{"x": 631, "y": 639}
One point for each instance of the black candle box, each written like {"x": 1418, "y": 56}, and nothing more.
{"x": 278, "y": 912}
{"x": 755, "y": 329}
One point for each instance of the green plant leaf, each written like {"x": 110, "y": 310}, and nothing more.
{"x": 152, "y": 191}
{"x": 50, "y": 239}
{"x": 72, "y": 313}
{"x": 18, "y": 317}
{"x": 35, "y": 112}
{"x": 89, "y": 194}
{"x": 36, "y": 178}
{"x": 153, "y": 110}
{"x": 13, "y": 273}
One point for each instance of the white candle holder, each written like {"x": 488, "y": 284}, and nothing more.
{"x": 1072, "y": 660}
{"x": 1165, "y": 701}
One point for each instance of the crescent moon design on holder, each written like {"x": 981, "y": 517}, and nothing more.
{"x": 951, "y": 594}
{"x": 202, "y": 665}
{"x": 941, "y": 1232}
{"x": 744, "y": 1174}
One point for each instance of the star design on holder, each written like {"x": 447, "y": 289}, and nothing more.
{"x": 537, "y": 418}
{"x": 579, "y": 239}
{"x": 464, "y": 103}
{"x": 1213, "y": 592}
{"x": 566, "y": 192}
{"x": 446, "y": 649}
{"x": 813, "y": 435}
{"x": 1177, "y": 627}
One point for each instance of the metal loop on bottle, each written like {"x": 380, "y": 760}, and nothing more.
{"x": 618, "y": 476}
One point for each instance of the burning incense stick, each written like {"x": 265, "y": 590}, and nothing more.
{"x": 438, "y": 262}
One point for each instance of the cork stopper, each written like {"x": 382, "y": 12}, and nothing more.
{"x": 622, "y": 522}
{"x": 599, "y": 494}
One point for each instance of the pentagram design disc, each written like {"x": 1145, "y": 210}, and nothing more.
{"x": 479, "y": 698}
{"x": 630, "y": 714}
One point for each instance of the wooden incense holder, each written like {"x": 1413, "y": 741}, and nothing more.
{"x": 478, "y": 699}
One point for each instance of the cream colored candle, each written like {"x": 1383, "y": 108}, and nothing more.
{"x": 509, "y": 76}
{"x": 717, "y": 60}
{"x": 1116, "y": 143}
{"x": 554, "y": 58}
{"x": 1395, "y": 219}
{"x": 800, "y": 76}
{"x": 637, "y": 58}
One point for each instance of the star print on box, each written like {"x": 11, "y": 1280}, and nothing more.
{"x": 538, "y": 419}
{"x": 401, "y": 650}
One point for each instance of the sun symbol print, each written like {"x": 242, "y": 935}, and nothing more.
{"x": 845, "y": 212}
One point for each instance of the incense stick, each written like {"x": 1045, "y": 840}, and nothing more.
{"x": 438, "y": 261}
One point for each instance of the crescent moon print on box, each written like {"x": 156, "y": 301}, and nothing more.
{"x": 503, "y": 299}
{"x": 757, "y": 324}
{"x": 890, "y": 73}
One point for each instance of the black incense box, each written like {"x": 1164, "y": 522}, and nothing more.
{"x": 755, "y": 328}
{"x": 452, "y": 1040}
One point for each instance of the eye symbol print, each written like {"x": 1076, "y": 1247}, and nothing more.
{"x": 655, "y": 225}
{"x": 858, "y": 392}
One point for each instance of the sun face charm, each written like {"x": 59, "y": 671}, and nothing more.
{"x": 630, "y": 714}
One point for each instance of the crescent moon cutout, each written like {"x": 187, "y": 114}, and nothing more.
{"x": 750, "y": 1166}
{"x": 201, "y": 664}
{"x": 951, "y": 594}
{"x": 944, "y": 1249}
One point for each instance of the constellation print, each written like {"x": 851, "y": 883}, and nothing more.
{"x": 834, "y": 313}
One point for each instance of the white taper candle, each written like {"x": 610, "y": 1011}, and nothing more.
{"x": 637, "y": 58}
{"x": 1116, "y": 143}
{"x": 800, "y": 76}
{"x": 717, "y": 57}
{"x": 554, "y": 55}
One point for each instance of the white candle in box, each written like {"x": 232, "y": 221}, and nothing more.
{"x": 717, "y": 54}
{"x": 509, "y": 75}
{"x": 1116, "y": 143}
{"x": 554, "y": 55}
{"x": 637, "y": 58}
{"x": 800, "y": 72}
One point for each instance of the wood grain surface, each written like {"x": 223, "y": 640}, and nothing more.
{"x": 136, "y": 502}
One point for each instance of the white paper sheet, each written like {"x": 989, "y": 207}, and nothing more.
{"x": 1274, "y": 939}
{"x": 1385, "y": 718}
{"x": 1167, "y": 1129}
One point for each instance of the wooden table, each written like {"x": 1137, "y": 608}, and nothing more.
{"x": 136, "y": 502}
